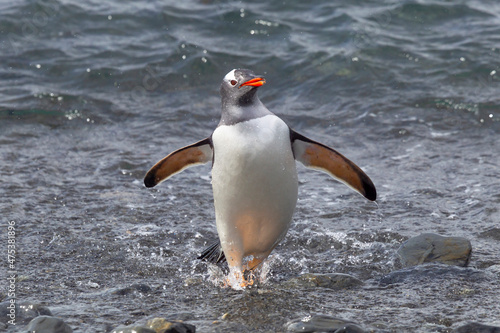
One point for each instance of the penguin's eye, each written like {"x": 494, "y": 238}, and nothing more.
{"x": 233, "y": 82}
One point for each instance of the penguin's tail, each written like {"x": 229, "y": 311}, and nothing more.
{"x": 213, "y": 253}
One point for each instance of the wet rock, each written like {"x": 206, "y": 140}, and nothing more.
{"x": 193, "y": 281}
{"x": 133, "y": 329}
{"x": 433, "y": 272}
{"x": 435, "y": 248}
{"x": 331, "y": 281}
{"x": 476, "y": 328}
{"x": 162, "y": 325}
{"x": 47, "y": 324}
{"x": 322, "y": 323}
{"x": 133, "y": 289}
{"x": 24, "y": 312}
{"x": 157, "y": 325}
{"x": 493, "y": 233}
{"x": 495, "y": 269}
{"x": 350, "y": 328}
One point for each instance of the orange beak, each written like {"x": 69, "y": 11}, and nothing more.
{"x": 257, "y": 82}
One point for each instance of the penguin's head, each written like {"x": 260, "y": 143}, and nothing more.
{"x": 239, "y": 87}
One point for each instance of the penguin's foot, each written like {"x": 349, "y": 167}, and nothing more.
{"x": 242, "y": 275}
{"x": 249, "y": 278}
{"x": 239, "y": 280}
{"x": 251, "y": 265}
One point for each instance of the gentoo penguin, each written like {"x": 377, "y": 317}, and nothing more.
{"x": 254, "y": 176}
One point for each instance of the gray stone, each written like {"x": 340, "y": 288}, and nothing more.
{"x": 157, "y": 325}
{"x": 493, "y": 233}
{"x": 24, "y": 311}
{"x": 350, "y": 328}
{"x": 495, "y": 269}
{"x": 162, "y": 325}
{"x": 322, "y": 323}
{"x": 331, "y": 281}
{"x": 476, "y": 328}
{"x": 133, "y": 329}
{"x": 435, "y": 248}
{"x": 47, "y": 324}
{"x": 434, "y": 272}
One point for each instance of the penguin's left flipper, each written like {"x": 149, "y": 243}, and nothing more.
{"x": 318, "y": 156}
{"x": 200, "y": 152}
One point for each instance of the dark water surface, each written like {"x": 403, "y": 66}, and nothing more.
{"x": 93, "y": 93}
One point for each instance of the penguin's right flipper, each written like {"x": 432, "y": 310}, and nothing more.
{"x": 213, "y": 253}
{"x": 200, "y": 152}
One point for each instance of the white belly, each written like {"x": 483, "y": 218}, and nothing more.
{"x": 254, "y": 180}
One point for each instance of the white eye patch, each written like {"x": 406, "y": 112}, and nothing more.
{"x": 230, "y": 76}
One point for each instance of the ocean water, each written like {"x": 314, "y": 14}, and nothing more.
{"x": 93, "y": 93}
